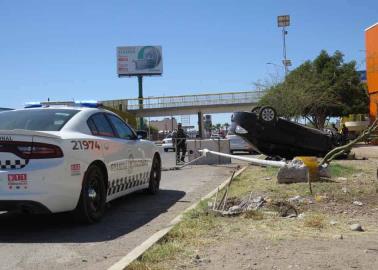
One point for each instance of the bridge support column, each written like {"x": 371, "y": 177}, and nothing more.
{"x": 200, "y": 125}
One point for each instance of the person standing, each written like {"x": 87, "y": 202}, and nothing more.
{"x": 345, "y": 134}
{"x": 179, "y": 139}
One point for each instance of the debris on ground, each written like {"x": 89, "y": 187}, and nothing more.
{"x": 338, "y": 236}
{"x": 249, "y": 204}
{"x": 356, "y": 227}
{"x": 300, "y": 200}
{"x": 358, "y": 203}
{"x": 234, "y": 206}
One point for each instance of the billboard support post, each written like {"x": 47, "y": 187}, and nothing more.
{"x": 140, "y": 101}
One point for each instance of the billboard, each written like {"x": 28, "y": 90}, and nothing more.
{"x": 139, "y": 60}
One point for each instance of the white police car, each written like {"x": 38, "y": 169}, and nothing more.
{"x": 71, "y": 158}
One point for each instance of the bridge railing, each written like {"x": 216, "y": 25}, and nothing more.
{"x": 187, "y": 100}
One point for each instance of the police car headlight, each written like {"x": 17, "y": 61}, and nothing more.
{"x": 240, "y": 130}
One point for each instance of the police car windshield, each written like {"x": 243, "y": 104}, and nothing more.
{"x": 36, "y": 119}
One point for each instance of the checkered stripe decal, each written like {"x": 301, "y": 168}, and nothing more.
{"x": 13, "y": 164}
{"x": 124, "y": 183}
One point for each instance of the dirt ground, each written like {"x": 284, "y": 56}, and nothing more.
{"x": 320, "y": 238}
{"x": 322, "y": 250}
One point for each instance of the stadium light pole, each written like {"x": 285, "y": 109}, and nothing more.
{"x": 284, "y": 21}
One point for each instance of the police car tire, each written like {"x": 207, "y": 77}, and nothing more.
{"x": 155, "y": 176}
{"x": 90, "y": 210}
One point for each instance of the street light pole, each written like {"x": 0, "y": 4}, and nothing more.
{"x": 284, "y": 32}
{"x": 284, "y": 21}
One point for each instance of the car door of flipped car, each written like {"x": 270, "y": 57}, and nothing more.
{"x": 136, "y": 172}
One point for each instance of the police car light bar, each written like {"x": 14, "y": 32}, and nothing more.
{"x": 30, "y": 105}
{"x": 87, "y": 104}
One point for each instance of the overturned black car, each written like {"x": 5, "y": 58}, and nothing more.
{"x": 280, "y": 138}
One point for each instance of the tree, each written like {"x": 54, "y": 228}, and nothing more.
{"x": 319, "y": 89}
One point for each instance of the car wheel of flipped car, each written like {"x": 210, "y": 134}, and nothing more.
{"x": 91, "y": 206}
{"x": 155, "y": 176}
{"x": 165, "y": 149}
{"x": 267, "y": 114}
{"x": 256, "y": 110}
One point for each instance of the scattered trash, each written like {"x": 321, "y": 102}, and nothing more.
{"x": 332, "y": 222}
{"x": 358, "y": 203}
{"x": 338, "y": 236}
{"x": 300, "y": 200}
{"x": 344, "y": 189}
{"x": 356, "y": 227}
{"x": 296, "y": 199}
{"x": 268, "y": 178}
{"x": 320, "y": 198}
{"x": 301, "y": 216}
{"x": 342, "y": 179}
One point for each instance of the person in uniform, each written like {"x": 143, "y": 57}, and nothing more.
{"x": 179, "y": 139}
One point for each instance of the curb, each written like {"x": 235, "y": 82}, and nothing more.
{"x": 139, "y": 250}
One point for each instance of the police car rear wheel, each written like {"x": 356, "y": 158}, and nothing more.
{"x": 155, "y": 176}
{"x": 92, "y": 201}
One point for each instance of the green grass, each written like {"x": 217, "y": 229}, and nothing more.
{"x": 338, "y": 170}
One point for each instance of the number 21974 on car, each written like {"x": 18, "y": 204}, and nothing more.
{"x": 71, "y": 158}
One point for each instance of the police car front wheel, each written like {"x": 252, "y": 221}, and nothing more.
{"x": 155, "y": 176}
{"x": 91, "y": 206}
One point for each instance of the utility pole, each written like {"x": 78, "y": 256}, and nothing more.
{"x": 284, "y": 21}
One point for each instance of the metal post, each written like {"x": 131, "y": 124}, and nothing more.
{"x": 284, "y": 50}
{"x": 200, "y": 126}
{"x": 140, "y": 101}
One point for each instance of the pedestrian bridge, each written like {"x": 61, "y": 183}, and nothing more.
{"x": 188, "y": 104}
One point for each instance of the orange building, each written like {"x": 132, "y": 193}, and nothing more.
{"x": 371, "y": 41}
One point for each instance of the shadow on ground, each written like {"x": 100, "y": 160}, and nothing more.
{"x": 122, "y": 217}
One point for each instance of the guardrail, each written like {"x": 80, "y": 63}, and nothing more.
{"x": 187, "y": 100}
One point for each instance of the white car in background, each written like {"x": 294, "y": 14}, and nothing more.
{"x": 72, "y": 158}
{"x": 237, "y": 144}
{"x": 168, "y": 143}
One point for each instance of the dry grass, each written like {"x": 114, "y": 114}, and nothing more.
{"x": 315, "y": 220}
{"x": 200, "y": 228}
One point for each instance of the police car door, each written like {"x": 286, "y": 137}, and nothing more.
{"x": 113, "y": 152}
{"x": 136, "y": 172}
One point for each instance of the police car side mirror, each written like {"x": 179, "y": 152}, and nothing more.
{"x": 141, "y": 134}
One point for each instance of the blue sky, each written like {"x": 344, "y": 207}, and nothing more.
{"x": 66, "y": 49}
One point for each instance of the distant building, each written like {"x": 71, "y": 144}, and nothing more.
{"x": 165, "y": 125}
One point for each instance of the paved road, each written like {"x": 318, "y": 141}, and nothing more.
{"x": 55, "y": 242}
